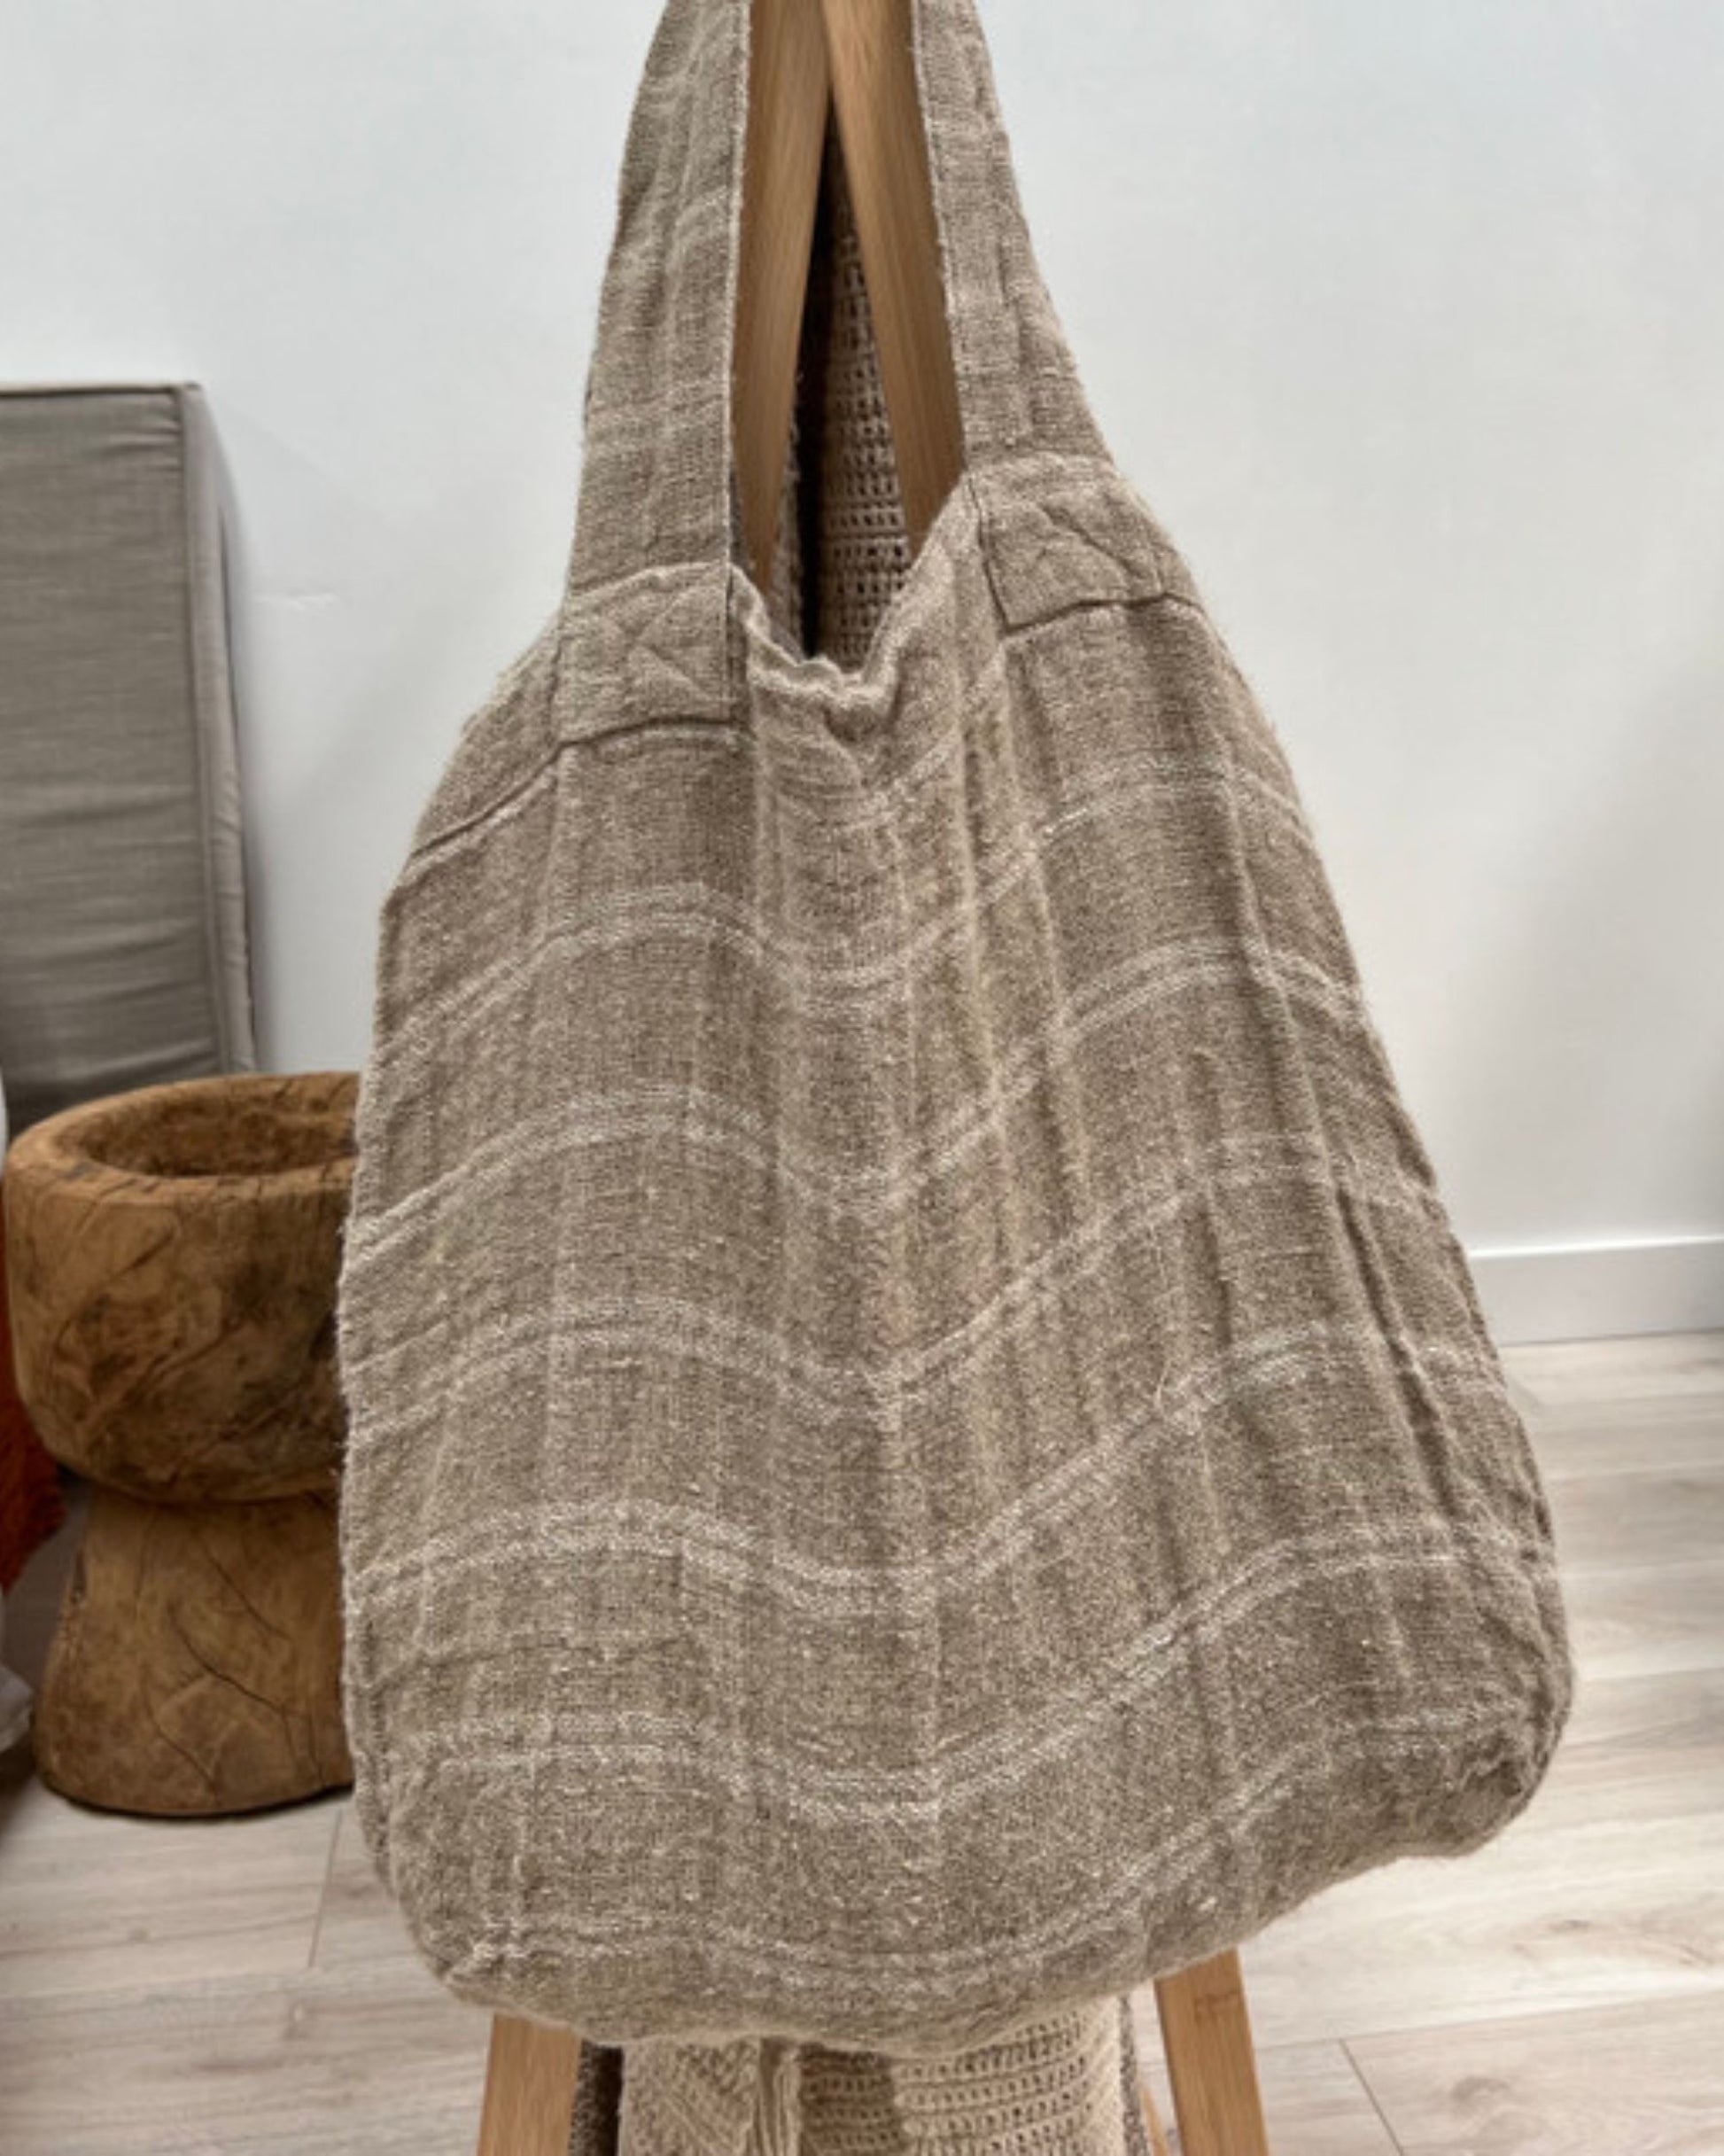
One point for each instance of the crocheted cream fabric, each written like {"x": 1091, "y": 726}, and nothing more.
{"x": 842, "y": 550}
{"x": 922, "y": 1449}
{"x": 1065, "y": 2086}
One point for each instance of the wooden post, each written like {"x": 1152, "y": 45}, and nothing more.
{"x": 1206, "y": 2030}
{"x": 789, "y": 97}
{"x": 869, "y": 47}
{"x": 806, "y": 57}
{"x": 529, "y": 2089}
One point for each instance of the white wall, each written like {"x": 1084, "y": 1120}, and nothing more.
{"x": 1409, "y": 321}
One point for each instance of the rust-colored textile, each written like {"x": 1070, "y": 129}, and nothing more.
{"x": 31, "y": 1506}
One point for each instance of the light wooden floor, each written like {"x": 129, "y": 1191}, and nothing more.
{"x": 243, "y": 1987}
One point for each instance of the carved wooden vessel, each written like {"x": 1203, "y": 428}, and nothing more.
{"x": 173, "y": 1256}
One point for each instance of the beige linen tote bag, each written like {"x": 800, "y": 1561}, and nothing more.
{"x": 921, "y": 1445}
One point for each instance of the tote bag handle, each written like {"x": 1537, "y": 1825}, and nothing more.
{"x": 657, "y": 479}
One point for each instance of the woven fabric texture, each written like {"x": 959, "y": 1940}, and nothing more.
{"x": 841, "y": 549}
{"x": 921, "y": 1447}
{"x": 1064, "y": 2087}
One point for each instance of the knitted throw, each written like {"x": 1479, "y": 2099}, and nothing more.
{"x": 921, "y": 1447}
{"x": 1064, "y": 2087}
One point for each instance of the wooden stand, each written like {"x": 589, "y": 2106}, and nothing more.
{"x": 530, "y": 2081}
{"x": 529, "y": 2089}
{"x": 808, "y": 57}
{"x": 853, "y": 58}
{"x": 1206, "y": 2033}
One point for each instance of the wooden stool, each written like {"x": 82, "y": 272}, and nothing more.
{"x": 173, "y": 1255}
{"x": 529, "y": 2080}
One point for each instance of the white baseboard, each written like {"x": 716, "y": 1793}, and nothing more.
{"x": 1594, "y": 1291}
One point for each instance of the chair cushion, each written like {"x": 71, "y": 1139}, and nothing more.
{"x": 122, "y": 929}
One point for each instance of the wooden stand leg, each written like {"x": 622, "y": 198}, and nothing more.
{"x": 1207, "y": 2033}
{"x": 529, "y": 2089}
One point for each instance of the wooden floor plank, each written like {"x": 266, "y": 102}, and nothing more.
{"x": 92, "y": 1900}
{"x": 1679, "y": 1439}
{"x": 1646, "y": 2079}
{"x": 348, "y": 2066}
{"x": 1630, "y": 1372}
{"x": 1315, "y": 2103}
{"x": 360, "y": 1925}
{"x": 1638, "y": 1750}
{"x": 1647, "y": 1620}
{"x": 1542, "y": 1919}
{"x": 1607, "y": 1520}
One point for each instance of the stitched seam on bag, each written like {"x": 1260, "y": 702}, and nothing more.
{"x": 1025, "y": 625}
{"x": 879, "y": 796}
{"x": 427, "y": 848}
{"x": 1010, "y": 630}
{"x": 727, "y": 733}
